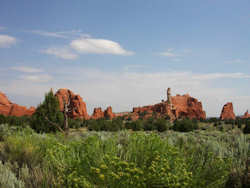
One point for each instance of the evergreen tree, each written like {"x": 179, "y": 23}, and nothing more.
{"x": 48, "y": 117}
{"x": 247, "y": 127}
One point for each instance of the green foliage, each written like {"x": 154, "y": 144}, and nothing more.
{"x": 139, "y": 161}
{"x": 22, "y": 121}
{"x": 47, "y": 112}
{"x": 76, "y": 123}
{"x": 105, "y": 125}
{"x": 149, "y": 124}
{"x": 247, "y": 127}
{"x": 125, "y": 158}
{"x": 135, "y": 125}
{"x": 160, "y": 124}
{"x": 185, "y": 125}
{"x": 8, "y": 179}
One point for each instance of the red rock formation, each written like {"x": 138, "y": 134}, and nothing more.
{"x": 246, "y": 115}
{"x": 108, "y": 113}
{"x": 186, "y": 106}
{"x": 98, "y": 113}
{"x": 8, "y": 108}
{"x": 177, "y": 107}
{"x": 77, "y": 107}
{"x": 227, "y": 112}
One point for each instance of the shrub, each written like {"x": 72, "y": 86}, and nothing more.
{"x": 117, "y": 124}
{"x": 185, "y": 125}
{"x": 75, "y": 123}
{"x": 92, "y": 125}
{"x": 47, "y": 114}
{"x": 8, "y": 179}
{"x": 246, "y": 129}
{"x": 148, "y": 125}
{"x": 135, "y": 125}
{"x": 143, "y": 161}
{"x": 161, "y": 125}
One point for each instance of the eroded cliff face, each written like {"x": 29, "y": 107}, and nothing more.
{"x": 77, "y": 107}
{"x": 187, "y": 106}
{"x": 8, "y": 108}
{"x": 175, "y": 107}
{"x": 107, "y": 114}
{"x": 227, "y": 112}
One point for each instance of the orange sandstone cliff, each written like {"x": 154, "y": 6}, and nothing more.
{"x": 175, "y": 107}
{"x": 227, "y": 112}
{"x": 77, "y": 107}
{"x": 8, "y": 108}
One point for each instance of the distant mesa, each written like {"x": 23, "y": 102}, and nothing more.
{"x": 8, "y": 108}
{"x": 227, "y": 112}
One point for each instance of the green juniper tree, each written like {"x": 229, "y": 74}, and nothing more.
{"x": 48, "y": 117}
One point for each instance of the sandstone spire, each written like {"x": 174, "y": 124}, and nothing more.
{"x": 169, "y": 100}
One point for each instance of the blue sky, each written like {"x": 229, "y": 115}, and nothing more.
{"x": 126, "y": 53}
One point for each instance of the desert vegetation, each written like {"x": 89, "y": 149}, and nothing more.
{"x": 152, "y": 152}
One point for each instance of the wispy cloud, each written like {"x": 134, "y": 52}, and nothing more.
{"x": 133, "y": 67}
{"x": 169, "y": 53}
{"x": 236, "y": 61}
{"x": 61, "y": 34}
{"x": 7, "y": 41}
{"x": 213, "y": 76}
{"x": 61, "y": 52}
{"x": 36, "y": 78}
{"x": 26, "y": 69}
{"x": 98, "y": 46}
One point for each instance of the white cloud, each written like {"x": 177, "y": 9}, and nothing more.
{"x": 26, "y": 69}
{"x": 62, "y": 52}
{"x": 133, "y": 67}
{"x": 169, "y": 53}
{"x": 6, "y": 41}
{"x": 98, "y": 46}
{"x": 213, "y": 76}
{"x": 60, "y": 34}
{"x": 236, "y": 61}
{"x": 36, "y": 78}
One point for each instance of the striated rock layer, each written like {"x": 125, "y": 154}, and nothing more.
{"x": 8, "y": 108}
{"x": 77, "y": 107}
{"x": 227, "y": 112}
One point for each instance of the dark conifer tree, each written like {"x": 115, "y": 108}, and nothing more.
{"x": 48, "y": 117}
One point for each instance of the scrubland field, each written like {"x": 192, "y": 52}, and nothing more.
{"x": 118, "y": 153}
